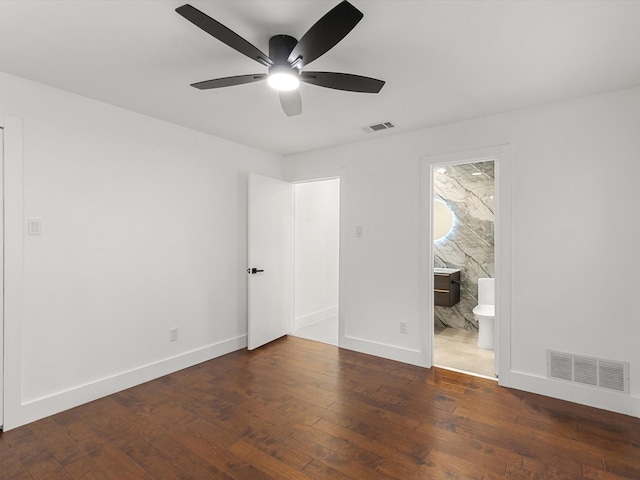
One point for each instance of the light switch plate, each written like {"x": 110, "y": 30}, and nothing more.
{"x": 34, "y": 226}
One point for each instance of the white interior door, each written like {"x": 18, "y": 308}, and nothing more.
{"x": 270, "y": 272}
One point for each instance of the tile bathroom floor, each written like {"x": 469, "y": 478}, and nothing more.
{"x": 457, "y": 348}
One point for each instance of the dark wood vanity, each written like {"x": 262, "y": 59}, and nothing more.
{"x": 446, "y": 287}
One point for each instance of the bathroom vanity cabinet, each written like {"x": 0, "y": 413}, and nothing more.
{"x": 446, "y": 287}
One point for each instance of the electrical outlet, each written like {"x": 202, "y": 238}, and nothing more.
{"x": 173, "y": 334}
{"x": 403, "y": 327}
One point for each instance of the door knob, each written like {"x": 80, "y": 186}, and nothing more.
{"x": 253, "y": 271}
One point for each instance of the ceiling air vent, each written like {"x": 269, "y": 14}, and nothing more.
{"x": 604, "y": 374}
{"x": 378, "y": 127}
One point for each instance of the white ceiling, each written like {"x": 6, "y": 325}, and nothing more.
{"x": 443, "y": 61}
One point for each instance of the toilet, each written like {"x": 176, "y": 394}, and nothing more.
{"x": 485, "y": 312}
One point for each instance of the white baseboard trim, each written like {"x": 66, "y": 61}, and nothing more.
{"x": 310, "y": 319}
{"x": 43, "y": 407}
{"x": 390, "y": 352}
{"x": 576, "y": 393}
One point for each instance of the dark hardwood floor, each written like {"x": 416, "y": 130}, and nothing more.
{"x": 300, "y": 409}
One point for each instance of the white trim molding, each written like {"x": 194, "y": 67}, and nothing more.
{"x": 391, "y": 352}
{"x": 501, "y": 154}
{"x": 13, "y": 268}
{"x": 315, "y": 317}
{"x": 576, "y": 393}
{"x": 70, "y": 398}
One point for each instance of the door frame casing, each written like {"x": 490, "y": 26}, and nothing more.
{"x": 501, "y": 154}
{"x": 14, "y": 413}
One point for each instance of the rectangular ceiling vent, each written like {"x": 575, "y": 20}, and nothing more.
{"x": 596, "y": 372}
{"x": 379, "y": 127}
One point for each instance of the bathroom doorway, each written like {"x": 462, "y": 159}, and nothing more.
{"x": 316, "y": 259}
{"x": 463, "y": 266}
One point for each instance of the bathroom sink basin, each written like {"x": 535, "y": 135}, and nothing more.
{"x": 445, "y": 271}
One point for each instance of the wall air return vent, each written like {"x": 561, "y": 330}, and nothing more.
{"x": 596, "y": 372}
{"x": 561, "y": 366}
{"x": 379, "y": 127}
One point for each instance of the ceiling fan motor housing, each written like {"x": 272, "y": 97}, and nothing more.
{"x": 280, "y": 46}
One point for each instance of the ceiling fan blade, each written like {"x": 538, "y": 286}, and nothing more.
{"x": 342, "y": 81}
{"x": 222, "y": 33}
{"x": 291, "y": 102}
{"x": 325, "y": 34}
{"x": 229, "y": 81}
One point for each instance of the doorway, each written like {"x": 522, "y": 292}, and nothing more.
{"x": 292, "y": 290}
{"x": 463, "y": 266}
{"x": 316, "y": 260}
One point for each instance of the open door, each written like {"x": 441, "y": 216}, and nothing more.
{"x": 270, "y": 262}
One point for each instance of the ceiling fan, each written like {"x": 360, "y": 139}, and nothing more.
{"x": 287, "y": 56}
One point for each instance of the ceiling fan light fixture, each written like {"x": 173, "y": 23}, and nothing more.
{"x": 287, "y": 56}
{"x": 283, "y": 78}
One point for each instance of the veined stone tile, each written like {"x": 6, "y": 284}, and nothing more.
{"x": 470, "y": 244}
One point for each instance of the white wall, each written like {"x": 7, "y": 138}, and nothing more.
{"x": 144, "y": 229}
{"x": 317, "y": 228}
{"x": 575, "y": 226}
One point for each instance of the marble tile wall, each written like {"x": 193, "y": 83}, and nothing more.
{"x": 469, "y": 246}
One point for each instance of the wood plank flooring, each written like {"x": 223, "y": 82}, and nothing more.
{"x": 297, "y": 409}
